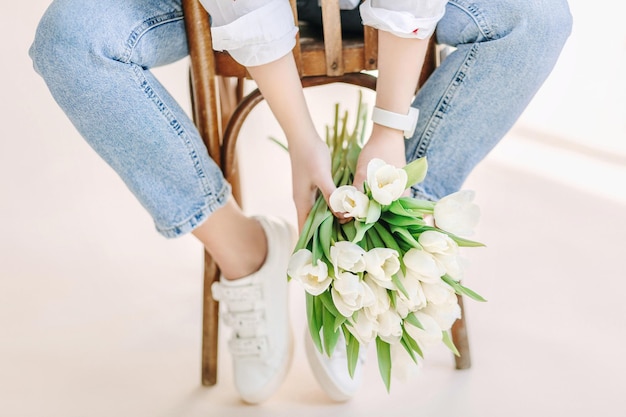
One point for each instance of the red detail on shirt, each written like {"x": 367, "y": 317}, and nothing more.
{"x": 415, "y": 31}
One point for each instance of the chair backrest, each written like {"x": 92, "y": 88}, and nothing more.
{"x": 319, "y": 62}
{"x": 330, "y": 55}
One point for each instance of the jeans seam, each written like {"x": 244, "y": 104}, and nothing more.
{"x": 445, "y": 103}
{"x": 176, "y": 126}
{"x": 145, "y": 26}
{"x": 474, "y": 12}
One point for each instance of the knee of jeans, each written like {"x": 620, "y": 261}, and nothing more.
{"x": 544, "y": 23}
{"x": 528, "y": 24}
{"x": 59, "y": 39}
{"x": 69, "y": 34}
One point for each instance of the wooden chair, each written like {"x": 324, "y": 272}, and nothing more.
{"x": 220, "y": 109}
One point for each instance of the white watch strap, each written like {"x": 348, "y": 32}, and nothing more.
{"x": 404, "y": 122}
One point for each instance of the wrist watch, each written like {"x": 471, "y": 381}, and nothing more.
{"x": 404, "y": 122}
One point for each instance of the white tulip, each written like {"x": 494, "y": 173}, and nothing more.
{"x": 438, "y": 243}
{"x": 386, "y": 182}
{"x": 416, "y": 299}
{"x": 347, "y": 199}
{"x": 452, "y": 265}
{"x": 363, "y": 327}
{"x": 430, "y": 335}
{"x": 438, "y": 293}
{"x": 350, "y": 294}
{"x": 389, "y": 326}
{"x": 424, "y": 265}
{"x": 444, "y": 249}
{"x": 444, "y": 314}
{"x": 381, "y": 264}
{"x": 347, "y": 256}
{"x": 383, "y": 302}
{"x": 457, "y": 214}
{"x": 403, "y": 369}
{"x": 314, "y": 278}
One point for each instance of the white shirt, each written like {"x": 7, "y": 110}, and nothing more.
{"x": 256, "y": 32}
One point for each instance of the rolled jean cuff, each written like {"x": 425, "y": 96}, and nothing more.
{"x": 404, "y": 24}
{"x": 259, "y": 37}
{"x": 210, "y": 206}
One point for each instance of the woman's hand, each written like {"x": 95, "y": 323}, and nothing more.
{"x": 384, "y": 143}
{"x": 310, "y": 171}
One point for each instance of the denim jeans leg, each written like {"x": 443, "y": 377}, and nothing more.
{"x": 505, "y": 50}
{"x": 95, "y": 58}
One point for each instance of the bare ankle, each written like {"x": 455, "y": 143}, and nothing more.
{"x": 250, "y": 254}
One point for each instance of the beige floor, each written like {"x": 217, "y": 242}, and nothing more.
{"x": 100, "y": 316}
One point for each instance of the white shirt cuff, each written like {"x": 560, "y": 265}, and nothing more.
{"x": 404, "y": 18}
{"x": 260, "y": 36}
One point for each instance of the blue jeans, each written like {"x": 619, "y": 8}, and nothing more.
{"x": 96, "y": 56}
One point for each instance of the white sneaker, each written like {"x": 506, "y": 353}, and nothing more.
{"x": 332, "y": 372}
{"x": 256, "y": 308}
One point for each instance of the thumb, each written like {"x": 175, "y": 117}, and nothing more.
{"x": 303, "y": 202}
{"x": 359, "y": 176}
{"x": 327, "y": 187}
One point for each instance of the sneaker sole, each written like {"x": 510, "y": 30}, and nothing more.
{"x": 328, "y": 385}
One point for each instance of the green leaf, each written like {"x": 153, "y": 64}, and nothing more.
{"x": 459, "y": 289}
{"x": 396, "y": 208}
{"x": 338, "y": 175}
{"x": 387, "y": 237}
{"x": 447, "y": 340}
{"x": 408, "y": 348}
{"x": 339, "y": 321}
{"x": 314, "y": 324}
{"x": 349, "y": 229}
{"x": 373, "y": 212}
{"x": 352, "y": 349}
{"x": 331, "y": 336}
{"x": 459, "y": 240}
{"x": 398, "y": 283}
{"x": 392, "y": 298}
{"x": 416, "y": 171}
{"x": 319, "y": 308}
{"x": 416, "y": 204}
{"x": 325, "y": 234}
{"x": 465, "y": 242}
{"x": 412, "y": 319}
{"x": 279, "y": 143}
{"x": 317, "y": 250}
{"x": 352, "y": 157}
{"x": 327, "y": 300}
{"x": 411, "y": 343}
{"x": 315, "y": 218}
{"x": 401, "y": 220}
{"x": 383, "y": 350}
{"x": 368, "y": 243}
{"x": 404, "y": 234}
{"x": 377, "y": 242}
{"x": 361, "y": 229}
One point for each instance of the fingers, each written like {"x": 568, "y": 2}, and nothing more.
{"x": 304, "y": 200}
{"x": 359, "y": 177}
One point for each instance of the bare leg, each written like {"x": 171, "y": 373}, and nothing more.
{"x": 235, "y": 241}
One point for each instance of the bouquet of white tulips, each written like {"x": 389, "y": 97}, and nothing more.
{"x": 387, "y": 275}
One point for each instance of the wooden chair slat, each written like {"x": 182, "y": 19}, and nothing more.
{"x": 333, "y": 44}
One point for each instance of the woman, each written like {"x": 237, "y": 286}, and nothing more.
{"x": 96, "y": 58}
